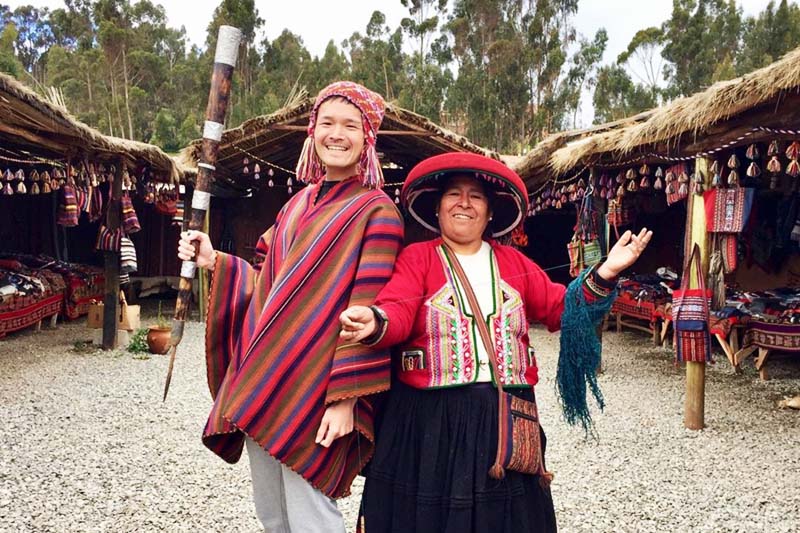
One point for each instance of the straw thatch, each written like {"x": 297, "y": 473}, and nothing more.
{"x": 538, "y": 160}
{"x": 275, "y": 140}
{"x": 29, "y": 122}
{"x": 685, "y": 127}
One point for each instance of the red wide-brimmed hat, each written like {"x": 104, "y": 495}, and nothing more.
{"x": 422, "y": 189}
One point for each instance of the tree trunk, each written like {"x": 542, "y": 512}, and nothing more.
{"x": 127, "y": 99}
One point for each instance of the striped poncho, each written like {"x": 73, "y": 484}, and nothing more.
{"x": 273, "y": 352}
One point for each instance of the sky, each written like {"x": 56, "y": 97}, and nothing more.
{"x": 317, "y": 22}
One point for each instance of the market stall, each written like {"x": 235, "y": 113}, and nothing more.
{"x": 67, "y": 197}
{"x": 718, "y": 169}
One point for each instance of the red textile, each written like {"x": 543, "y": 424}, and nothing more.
{"x": 420, "y": 277}
{"x": 275, "y": 360}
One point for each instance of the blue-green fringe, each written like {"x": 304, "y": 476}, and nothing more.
{"x": 579, "y": 357}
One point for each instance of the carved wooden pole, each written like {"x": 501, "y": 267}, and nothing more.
{"x": 228, "y": 41}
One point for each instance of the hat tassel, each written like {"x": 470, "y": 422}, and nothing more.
{"x": 309, "y": 167}
{"x": 371, "y": 172}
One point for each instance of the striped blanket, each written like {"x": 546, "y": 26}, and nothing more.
{"x": 273, "y": 352}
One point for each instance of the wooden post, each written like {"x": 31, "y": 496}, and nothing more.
{"x": 694, "y": 405}
{"x": 111, "y": 298}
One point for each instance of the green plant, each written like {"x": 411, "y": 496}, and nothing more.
{"x": 138, "y": 342}
{"x": 161, "y": 320}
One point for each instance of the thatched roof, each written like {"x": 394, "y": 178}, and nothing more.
{"x": 36, "y": 126}
{"x": 723, "y": 113}
{"x": 538, "y": 160}
{"x": 275, "y": 140}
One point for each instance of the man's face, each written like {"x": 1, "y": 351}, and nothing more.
{"x": 339, "y": 138}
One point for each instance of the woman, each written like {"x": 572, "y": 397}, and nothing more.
{"x": 438, "y": 438}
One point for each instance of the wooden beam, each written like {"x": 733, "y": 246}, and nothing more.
{"x": 111, "y": 297}
{"x": 32, "y": 137}
{"x": 415, "y": 133}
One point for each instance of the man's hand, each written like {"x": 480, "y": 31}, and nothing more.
{"x": 358, "y": 323}
{"x": 336, "y": 422}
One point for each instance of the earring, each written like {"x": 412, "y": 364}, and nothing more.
{"x": 490, "y": 218}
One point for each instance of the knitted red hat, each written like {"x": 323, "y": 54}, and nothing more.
{"x": 422, "y": 189}
{"x": 372, "y": 106}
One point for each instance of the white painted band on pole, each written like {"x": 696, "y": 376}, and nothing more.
{"x": 228, "y": 41}
{"x": 212, "y": 130}
{"x": 212, "y": 168}
{"x": 188, "y": 268}
{"x": 201, "y": 200}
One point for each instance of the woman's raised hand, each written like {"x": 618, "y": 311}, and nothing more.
{"x": 624, "y": 253}
{"x": 358, "y": 323}
{"x": 206, "y": 254}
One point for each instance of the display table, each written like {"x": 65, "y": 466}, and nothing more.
{"x": 767, "y": 337}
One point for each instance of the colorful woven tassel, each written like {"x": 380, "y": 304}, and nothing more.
{"x": 645, "y": 183}
{"x": 683, "y": 177}
{"x": 309, "y": 167}
{"x": 35, "y": 176}
{"x": 733, "y": 178}
{"x": 7, "y": 190}
{"x": 683, "y": 189}
{"x": 714, "y": 167}
{"x": 632, "y": 187}
{"x": 774, "y": 149}
{"x": 670, "y": 189}
{"x": 752, "y": 152}
{"x": 774, "y": 165}
{"x": 793, "y": 169}
{"x": 753, "y": 170}
{"x": 644, "y": 169}
{"x": 733, "y": 161}
{"x": 716, "y": 181}
{"x": 46, "y": 188}
{"x": 659, "y": 172}
{"x": 658, "y": 185}
{"x": 793, "y": 151}
{"x": 21, "y": 189}
{"x": 620, "y": 191}
{"x": 630, "y": 174}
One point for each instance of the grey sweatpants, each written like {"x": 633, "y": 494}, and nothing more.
{"x": 287, "y": 503}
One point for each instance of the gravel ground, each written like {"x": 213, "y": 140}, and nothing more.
{"x": 87, "y": 445}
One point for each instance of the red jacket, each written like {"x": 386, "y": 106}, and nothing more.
{"x": 437, "y": 340}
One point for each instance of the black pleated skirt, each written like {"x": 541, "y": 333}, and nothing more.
{"x": 430, "y": 472}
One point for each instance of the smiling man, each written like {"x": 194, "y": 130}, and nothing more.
{"x": 283, "y": 381}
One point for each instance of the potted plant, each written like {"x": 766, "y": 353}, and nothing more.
{"x": 158, "y": 334}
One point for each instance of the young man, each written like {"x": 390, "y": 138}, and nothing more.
{"x": 282, "y": 380}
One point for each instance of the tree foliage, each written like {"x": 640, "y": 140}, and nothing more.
{"x": 503, "y": 72}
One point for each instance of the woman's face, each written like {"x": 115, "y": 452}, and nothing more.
{"x": 463, "y": 210}
{"x": 339, "y": 138}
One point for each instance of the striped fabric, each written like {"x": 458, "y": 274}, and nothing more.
{"x": 272, "y": 346}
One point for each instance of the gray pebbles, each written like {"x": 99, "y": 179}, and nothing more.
{"x": 88, "y": 446}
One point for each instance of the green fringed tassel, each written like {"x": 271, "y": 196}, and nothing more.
{"x": 579, "y": 357}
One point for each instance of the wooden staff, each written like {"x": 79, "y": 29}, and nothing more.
{"x": 228, "y": 41}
